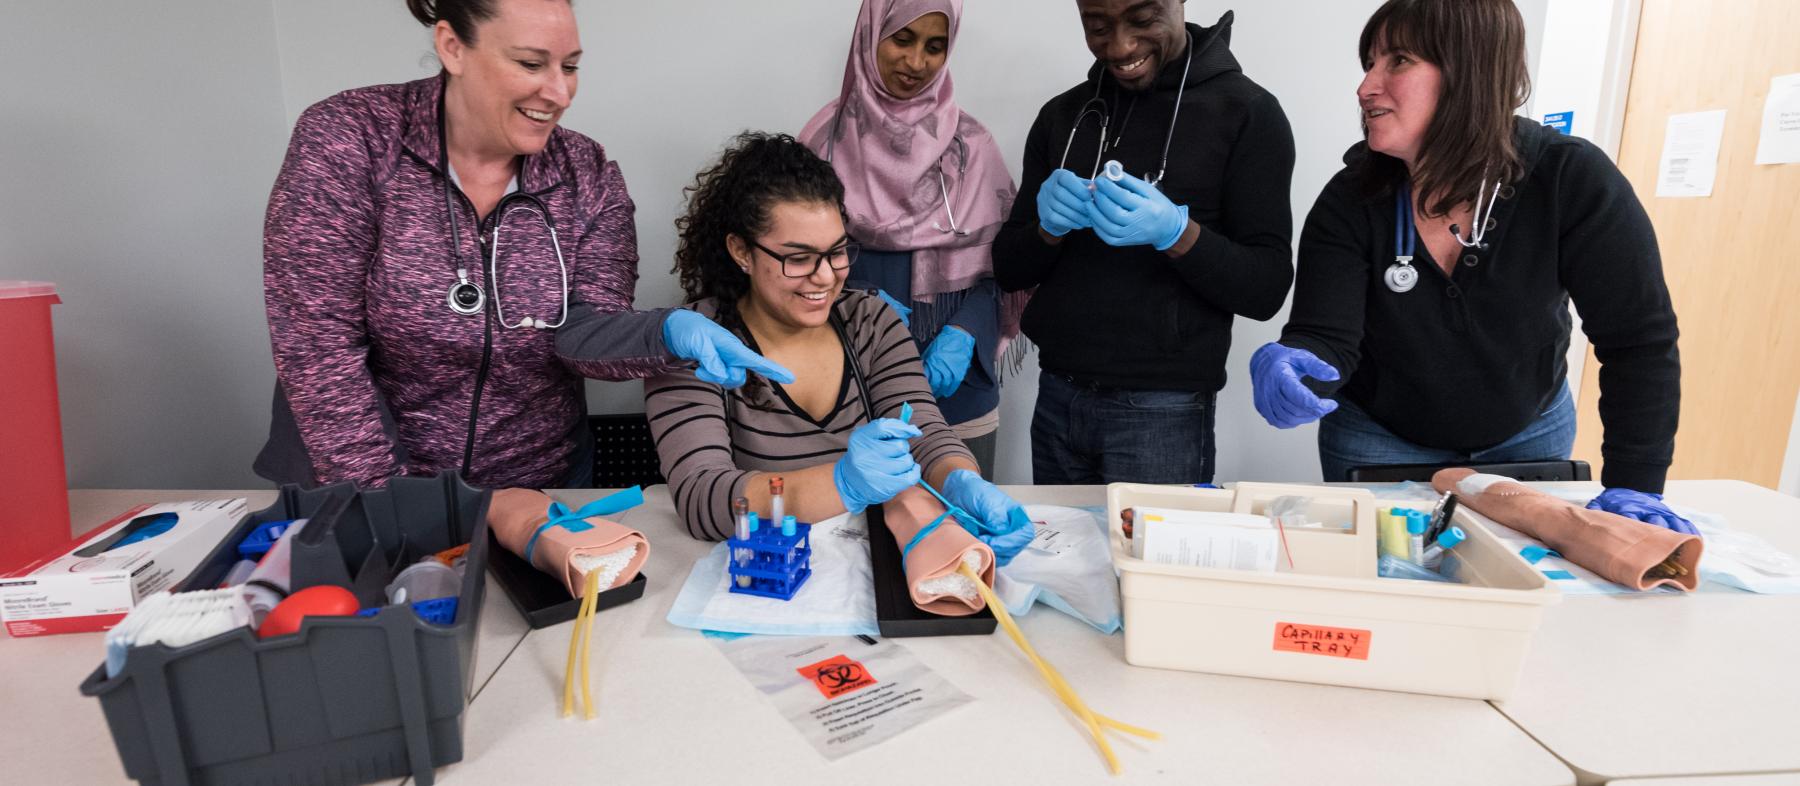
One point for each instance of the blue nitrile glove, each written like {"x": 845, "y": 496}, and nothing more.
{"x": 902, "y": 309}
{"x": 1062, "y": 203}
{"x": 947, "y": 360}
{"x": 1131, "y": 212}
{"x": 1281, "y": 398}
{"x": 1645, "y": 507}
{"x": 1004, "y": 527}
{"x": 722, "y": 357}
{"x": 878, "y": 464}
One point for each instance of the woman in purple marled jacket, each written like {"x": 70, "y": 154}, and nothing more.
{"x": 443, "y": 264}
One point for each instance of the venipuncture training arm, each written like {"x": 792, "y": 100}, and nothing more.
{"x": 1022, "y": 257}
{"x": 318, "y": 245}
{"x": 1613, "y": 272}
{"x": 1244, "y": 265}
{"x": 603, "y": 337}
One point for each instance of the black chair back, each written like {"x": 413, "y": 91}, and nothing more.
{"x": 1517, "y": 470}
{"x": 624, "y": 452}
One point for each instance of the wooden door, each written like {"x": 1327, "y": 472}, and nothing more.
{"x": 1733, "y": 259}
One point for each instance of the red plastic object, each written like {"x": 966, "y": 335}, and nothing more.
{"x": 34, "y": 487}
{"x": 324, "y": 600}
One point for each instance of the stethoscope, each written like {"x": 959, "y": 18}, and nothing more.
{"x": 1401, "y": 276}
{"x": 1097, "y": 106}
{"x": 467, "y": 299}
{"x": 962, "y": 167}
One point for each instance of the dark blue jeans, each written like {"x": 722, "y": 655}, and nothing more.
{"x": 1349, "y": 438}
{"x": 1087, "y": 435}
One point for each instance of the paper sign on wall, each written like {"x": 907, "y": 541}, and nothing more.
{"x": 1780, "y": 142}
{"x": 1563, "y": 122}
{"x": 1690, "y": 155}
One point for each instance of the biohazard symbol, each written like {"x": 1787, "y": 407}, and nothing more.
{"x": 837, "y": 676}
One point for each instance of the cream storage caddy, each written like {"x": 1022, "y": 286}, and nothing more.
{"x": 1330, "y": 619}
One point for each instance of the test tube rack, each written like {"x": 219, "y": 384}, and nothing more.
{"x": 778, "y": 564}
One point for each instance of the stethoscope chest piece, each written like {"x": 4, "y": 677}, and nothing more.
{"x": 464, "y": 297}
{"x": 1401, "y": 276}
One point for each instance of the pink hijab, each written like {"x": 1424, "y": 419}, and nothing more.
{"x": 888, "y": 153}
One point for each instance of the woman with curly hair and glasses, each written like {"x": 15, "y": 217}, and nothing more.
{"x": 763, "y": 250}
{"x": 1436, "y": 271}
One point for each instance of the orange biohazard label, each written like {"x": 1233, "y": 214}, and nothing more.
{"x": 837, "y": 676}
{"x": 1322, "y": 640}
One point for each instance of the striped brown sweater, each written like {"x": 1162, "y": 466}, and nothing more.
{"x": 709, "y": 446}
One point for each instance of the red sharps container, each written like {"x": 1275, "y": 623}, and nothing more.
{"x": 34, "y": 488}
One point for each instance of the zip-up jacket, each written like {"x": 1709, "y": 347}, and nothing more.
{"x": 376, "y": 376}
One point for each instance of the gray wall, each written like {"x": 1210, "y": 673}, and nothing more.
{"x": 138, "y": 142}
{"x": 140, "y": 153}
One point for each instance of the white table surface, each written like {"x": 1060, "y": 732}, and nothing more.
{"x": 1784, "y": 779}
{"x": 672, "y": 708}
{"x": 56, "y": 730}
{"x": 1673, "y": 685}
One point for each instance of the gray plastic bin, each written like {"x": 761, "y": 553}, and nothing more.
{"x": 346, "y": 700}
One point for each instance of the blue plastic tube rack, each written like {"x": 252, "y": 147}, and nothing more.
{"x": 779, "y": 564}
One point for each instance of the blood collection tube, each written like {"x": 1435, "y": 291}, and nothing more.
{"x": 777, "y": 505}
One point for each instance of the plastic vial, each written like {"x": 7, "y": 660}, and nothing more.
{"x": 740, "y": 511}
{"x": 789, "y": 526}
{"x": 777, "y": 505}
{"x": 1415, "y": 532}
{"x": 1434, "y": 556}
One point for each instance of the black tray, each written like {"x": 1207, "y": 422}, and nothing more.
{"x": 895, "y": 613}
{"x": 542, "y": 599}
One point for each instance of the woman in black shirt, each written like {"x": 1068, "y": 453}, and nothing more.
{"x": 1436, "y": 269}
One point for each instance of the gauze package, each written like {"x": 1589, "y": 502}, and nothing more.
{"x": 839, "y": 598}
{"x": 842, "y": 694}
{"x": 1068, "y": 566}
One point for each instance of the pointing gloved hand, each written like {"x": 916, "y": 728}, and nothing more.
{"x": 878, "y": 464}
{"x": 1281, "y": 398}
{"x": 722, "y": 357}
{"x": 1648, "y": 508}
{"x": 901, "y": 309}
{"x": 1004, "y": 527}
{"x": 1062, "y": 203}
{"x": 1131, "y": 212}
{"x": 947, "y": 360}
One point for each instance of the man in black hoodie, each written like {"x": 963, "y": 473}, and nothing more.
{"x": 1138, "y": 277}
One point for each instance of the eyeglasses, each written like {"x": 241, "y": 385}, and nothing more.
{"x": 802, "y": 264}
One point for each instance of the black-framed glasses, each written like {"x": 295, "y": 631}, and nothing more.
{"x": 802, "y": 264}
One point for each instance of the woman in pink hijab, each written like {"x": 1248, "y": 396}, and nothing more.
{"x": 927, "y": 189}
